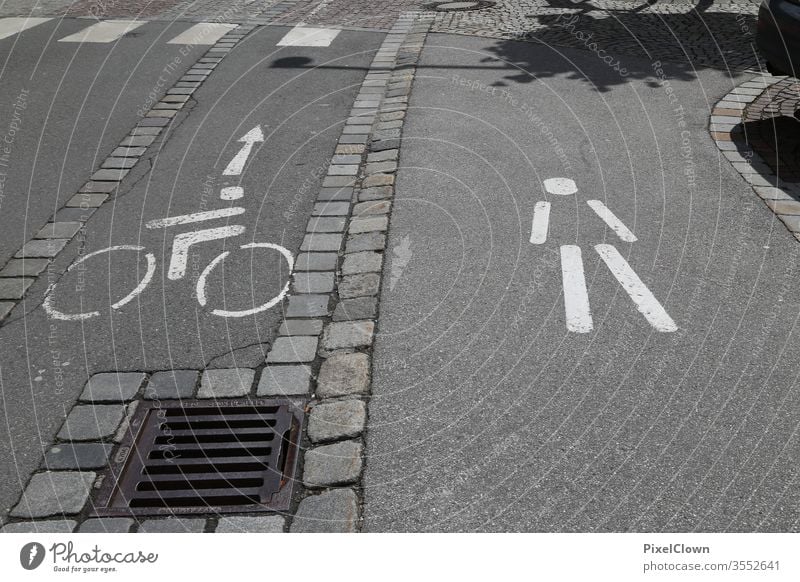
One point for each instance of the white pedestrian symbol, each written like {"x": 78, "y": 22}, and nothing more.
{"x": 576, "y": 297}
{"x": 183, "y": 241}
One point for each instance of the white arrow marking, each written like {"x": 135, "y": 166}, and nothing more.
{"x": 541, "y": 220}
{"x": 236, "y": 165}
{"x": 612, "y": 221}
{"x": 576, "y": 298}
{"x": 645, "y": 302}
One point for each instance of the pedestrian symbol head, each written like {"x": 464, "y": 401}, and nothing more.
{"x": 31, "y": 555}
{"x": 560, "y": 186}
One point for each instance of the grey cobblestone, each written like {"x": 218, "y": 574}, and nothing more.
{"x": 335, "y": 194}
{"x": 359, "y": 285}
{"x": 226, "y": 382}
{"x": 378, "y": 180}
{"x": 42, "y": 248}
{"x": 284, "y": 380}
{"x": 321, "y": 242}
{"x": 354, "y": 309}
{"x": 41, "y": 527}
{"x": 350, "y": 334}
{"x": 24, "y": 267}
{"x": 87, "y": 200}
{"x": 316, "y": 261}
{"x": 172, "y": 384}
{"x": 6, "y": 307}
{"x": 375, "y": 207}
{"x": 365, "y": 262}
{"x": 331, "y": 209}
{"x": 360, "y": 225}
{"x": 106, "y": 525}
{"x": 78, "y": 456}
{"x": 336, "y": 420}
{"x": 370, "y": 241}
{"x": 249, "y": 524}
{"x": 334, "y": 511}
{"x": 173, "y": 525}
{"x": 385, "y": 155}
{"x": 112, "y": 387}
{"x": 377, "y": 193}
{"x": 300, "y": 327}
{"x": 321, "y": 282}
{"x": 343, "y": 374}
{"x": 308, "y": 305}
{"x": 55, "y": 493}
{"x": 326, "y": 224}
{"x": 59, "y": 230}
{"x": 290, "y": 349}
{"x": 92, "y": 422}
{"x": 14, "y": 288}
{"x": 330, "y": 465}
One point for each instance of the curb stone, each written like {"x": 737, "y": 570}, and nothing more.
{"x": 726, "y": 126}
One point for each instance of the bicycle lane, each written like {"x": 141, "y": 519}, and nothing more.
{"x": 661, "y": 395}
{"x": 249, "y": 157}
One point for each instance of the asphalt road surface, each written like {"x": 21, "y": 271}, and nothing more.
{"x": 299, "y": 98}
{"x": 489, "y": 413}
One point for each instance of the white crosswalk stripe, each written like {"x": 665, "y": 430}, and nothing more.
{"x": 12, "y": 26}
{"x": 204, "y": 33}
{"x": 106, "y": 31}
{"x": 308, "y": 36}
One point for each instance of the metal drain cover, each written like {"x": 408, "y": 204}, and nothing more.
{"x": 458, "y": 6}
{"x": 204, "y": 457}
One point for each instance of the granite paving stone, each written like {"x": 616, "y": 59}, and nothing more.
{"x": 334, "y": 511}
{"x": 112, "y": 387}
{"x": 55, "y": 493}
{"x": 335, "y": 464}
{"x": 289, "y": 349}
{"x": 226, "y": 382}
{"x": 343, "y": 374}
{"x": 284, "y": 380}
{"x": 336, "y": 420}
{"x": 171, "y": 384}
{"x": 92, "y": 422}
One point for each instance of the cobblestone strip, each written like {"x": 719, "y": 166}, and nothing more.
{"x": 749, "y": 102}
{"x": 322, "y": 354}
{"x": 33, "y": 259}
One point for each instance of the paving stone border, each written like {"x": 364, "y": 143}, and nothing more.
{"x": 35, "y": 257}
{"x": 760, "y": 97}
{"x": 322, "y": 354}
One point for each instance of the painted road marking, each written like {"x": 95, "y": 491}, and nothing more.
{"x": 541, "y": 220}
{"x": 12, "y": 26}
{"x": 203, "y": 33}
{"x": 612, "y": 221}
{"x": 236, "y": 165}
{"x": 576, "y": 298}
{"x": 182, "y": 242}
{"x": 106, "y": 31}
{"x": 560, "y": 186}
{"x": 645, "y": 302}
{"x": 200, "y": 288}
{"x": 51, "y": 311}
{"x": 307, "y": 36}
{"x": 231, "y": 193}
{"x": 195, "y": 217}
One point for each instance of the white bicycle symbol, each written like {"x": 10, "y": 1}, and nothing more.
{"x": 181, "y": 244}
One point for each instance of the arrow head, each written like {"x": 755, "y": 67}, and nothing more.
{"x": 253, "y": 135}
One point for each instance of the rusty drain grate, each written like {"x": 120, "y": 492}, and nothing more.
{"x": 203, "y": 457}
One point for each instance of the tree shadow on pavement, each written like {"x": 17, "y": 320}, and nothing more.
{"x": 628, "y": 44}
{"x": 776, "y": 141}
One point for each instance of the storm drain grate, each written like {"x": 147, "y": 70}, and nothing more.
{"x": 204, "y": 457}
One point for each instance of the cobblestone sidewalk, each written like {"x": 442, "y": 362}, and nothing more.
{"x": 756, "y": 128}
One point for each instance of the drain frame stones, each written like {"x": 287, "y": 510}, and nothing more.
{"x": 456, "y": 6}
{"x": 120, "y": 485}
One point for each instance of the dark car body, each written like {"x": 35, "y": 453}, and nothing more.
{"x": 778, "y": 35}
